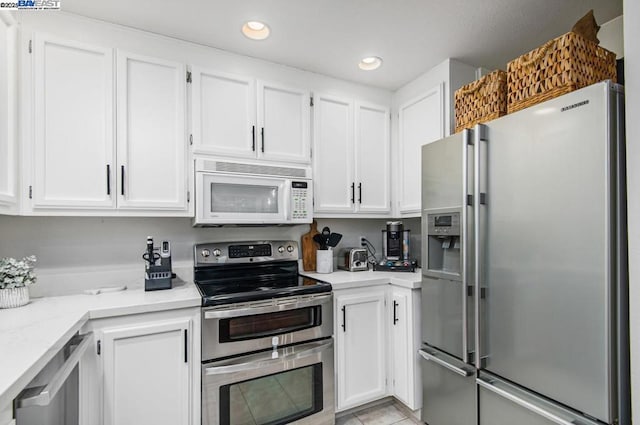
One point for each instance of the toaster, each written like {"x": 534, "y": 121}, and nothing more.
{"x": 353, "y": 259}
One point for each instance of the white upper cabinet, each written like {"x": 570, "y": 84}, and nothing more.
{"x": 8, "y": 108}
{"x": 350, "y": 157}
{"x": 73, "y": 106}
{"x": 372, "y": 158}
{"x": 283, "y": 120}
{"x": 421, "y": 120}
{"x": 84, "y": 157}
{"x": 333, "y": 154}
{"x": 243, "y": 117}
{"x": 152, "y": 146}
{"x": 223, "y": 114}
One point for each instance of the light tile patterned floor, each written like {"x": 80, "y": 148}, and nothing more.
{"x": 382, "y": 414}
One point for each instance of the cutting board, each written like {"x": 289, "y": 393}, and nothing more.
{"x": 309, "y": 248}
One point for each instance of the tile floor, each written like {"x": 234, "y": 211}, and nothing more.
{"x": 382, "y": 414}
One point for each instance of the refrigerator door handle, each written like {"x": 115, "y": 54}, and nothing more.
{"x": 545, "y": 413}
{"x": 479, "y": 197}
{"x": 433, "y": 358}
{"x": 466, "y": 141}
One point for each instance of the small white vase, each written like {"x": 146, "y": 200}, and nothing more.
{"x": 14, "y": 297}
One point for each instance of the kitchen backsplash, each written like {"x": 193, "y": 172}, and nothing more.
{"x": 76, "y": 253}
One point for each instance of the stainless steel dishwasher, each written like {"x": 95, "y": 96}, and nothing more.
{"x": 51, "y": 398}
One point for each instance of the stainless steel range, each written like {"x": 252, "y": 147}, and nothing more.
{"x": 267, "y": 346}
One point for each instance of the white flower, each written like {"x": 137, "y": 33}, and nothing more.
{"x": 15, "y": 274}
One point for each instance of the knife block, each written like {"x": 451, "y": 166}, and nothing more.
{"x": 157, "y": 277}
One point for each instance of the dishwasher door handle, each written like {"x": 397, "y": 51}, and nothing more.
{"x": 42, "y": 395}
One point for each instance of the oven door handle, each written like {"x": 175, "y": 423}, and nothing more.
{"x": 221, "y": 314}
{"x": 267, "y": 361}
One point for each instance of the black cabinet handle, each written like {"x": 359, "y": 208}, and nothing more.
{"x": 253, "y": 138}
{"x": 108, "y": 179}
{"x": 122, "y": 180}
{"x": 262, "y": 135}
{"x": 344, "y": 318}
{"x": 395, "y": 313}
{"x": 353, "y": 193}
{"x": 186, "y": 344}
{"x": 360, "y": 192}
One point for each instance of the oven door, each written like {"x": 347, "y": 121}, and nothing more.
{"x": 223, "y": 199}
{"x": 255, "y": 326}
{"x": 272, "y": 387}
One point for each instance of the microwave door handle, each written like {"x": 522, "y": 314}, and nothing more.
{"x": 288, "y": 200}
{"x": 259, "y": 364}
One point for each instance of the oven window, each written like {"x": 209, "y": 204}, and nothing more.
{"x": 244, "y": 198}
{"x": 268, "y": 324}
{"x": 275, "y": 399}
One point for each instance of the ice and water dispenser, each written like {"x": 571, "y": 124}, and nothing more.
{"x": 443, "y": 243}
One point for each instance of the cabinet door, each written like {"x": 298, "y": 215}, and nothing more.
{"x": 372, "y": 159}
{"x": 403, "y": 357}
{"x": 334, "y": 184}
{"x": 223, "y": 109}
{"x": 360, "y": 348}
{"x": 147, "y": 373}
{"x": 152, "y": 143}
{"x": 74, "y": 148}
{"x": 8, "y": 84}
{"x": 421, "y": 122}
{"x": 283, "y": 122}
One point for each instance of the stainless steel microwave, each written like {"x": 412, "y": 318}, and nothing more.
{"x": 229, "y": 192}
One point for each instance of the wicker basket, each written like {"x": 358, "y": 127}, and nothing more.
{"x": 562, "y": 65}
{"x": 481, "y": 101}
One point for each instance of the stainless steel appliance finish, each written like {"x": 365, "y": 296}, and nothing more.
{"x": 447, "y": 296}
{"x": 544, "y": 216}
{"x": 449, "y": 389}
{"x": 293, "y": 320}
{"x": 297, "y": 381}
{"x": 267, "y": 347}
{"x": 353, "y": 259}
{"x": 52, "y": 397}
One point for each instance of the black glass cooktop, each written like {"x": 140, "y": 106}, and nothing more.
{"x": 241, "y": 283}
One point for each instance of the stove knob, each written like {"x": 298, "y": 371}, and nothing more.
{"x": 205, "y": 253}
{"x": 280, "y": 249}
{"x": 217, "y": 252}
{"x": 289, "y": 248}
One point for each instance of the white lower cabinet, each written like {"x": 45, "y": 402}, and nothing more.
{"x": 144, "y": 370}
{"x": 377, "y": 332}
{"x": 360, "y": 332}
{"x": 404, "y": 338}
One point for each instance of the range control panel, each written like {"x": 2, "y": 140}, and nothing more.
{"x": 244, "y": 252}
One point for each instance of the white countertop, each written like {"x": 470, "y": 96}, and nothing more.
{"x": 342, "y": 279}
{"x": 31, "y": 335}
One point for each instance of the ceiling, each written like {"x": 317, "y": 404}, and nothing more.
{"x": 330, "y": 36}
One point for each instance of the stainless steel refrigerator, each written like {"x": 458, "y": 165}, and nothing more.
{"x": 524, "y": 288}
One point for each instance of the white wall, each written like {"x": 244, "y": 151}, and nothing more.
{"x": 611, "y": 36}
{"x": 632, "y": 96}
{"x": 76, "y": 253}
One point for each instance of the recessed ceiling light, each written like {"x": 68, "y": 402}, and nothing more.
{"x": 255, "y": 30}
{"x": 370, "y": 63}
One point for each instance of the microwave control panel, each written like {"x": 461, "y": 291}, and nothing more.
{"x": 300, "y": 200}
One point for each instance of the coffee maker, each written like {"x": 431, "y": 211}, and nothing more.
{"x": 395, "y": 249}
